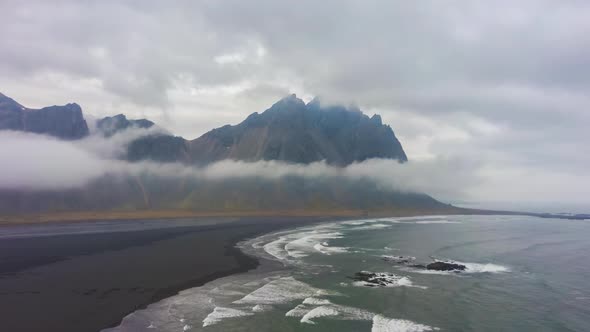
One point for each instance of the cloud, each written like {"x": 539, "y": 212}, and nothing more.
{"x": 457, "y": 80}
{"x": 37, "y": 162}
{"x": 31, "y": 161}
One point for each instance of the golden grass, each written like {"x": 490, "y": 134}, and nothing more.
{"x": 171, "y": 214}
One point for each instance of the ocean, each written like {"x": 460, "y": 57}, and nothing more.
{"x": 521, "y": 274}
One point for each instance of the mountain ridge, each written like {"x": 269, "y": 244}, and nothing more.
{"x": 293, "y": 131}
{"x": 290, "y": 132}
{"x": 65, "y": 122}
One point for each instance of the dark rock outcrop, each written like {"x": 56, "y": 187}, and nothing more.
{"x": 379, "y": 279}
{"x": 65, "y": 122}
{"x": 435, "y": 266}
{"x": 445, "y": 266}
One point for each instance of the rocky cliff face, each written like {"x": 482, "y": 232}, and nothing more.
{"x": 289, "y": 131}
{"x": 66, "y": 122}
{"x": 292, "y": 131}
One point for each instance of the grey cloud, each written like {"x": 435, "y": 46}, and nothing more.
{"x": 523, "y": 67}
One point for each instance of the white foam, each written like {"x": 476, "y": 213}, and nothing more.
{"x": 391, "y": 280}
{"x": 312, "y": 309}
{"x": 334, "y": 311}
{"x": 220, "y": 313}
{"x": 307, "y": 242}
{"x": 327, "y": 250}
{"x": 356, "y": 222}
{"x": 323, "y": 311}
{"x": 299, "y": 311}
{"x": 391, "y": 220}
{"x": 484, "y": 268}
{"x": 424, "y": 271}
{"x": 433, "y": 217}
{"x": 278, "y": 291}
{"x": 323, "y": 292}
{"x": 276, "y": 248}
{"x": 371, "y": 226}
{"x": 390, "y": 249}
{"x": 316, "y": 301}
{"x": 289, "y": 247}
{"x": 384, "y": 324}
{"x": 440, "y": 221}
{"x": 261, "y": 308}
{"x": 186, "y": 327}
{"x": 469, "y": 268}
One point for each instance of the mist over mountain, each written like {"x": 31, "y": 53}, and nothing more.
{"x": 291, "y": 156}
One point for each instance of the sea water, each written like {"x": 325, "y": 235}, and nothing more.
{"x": 521, "y": 274}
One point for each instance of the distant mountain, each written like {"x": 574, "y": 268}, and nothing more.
{"x": 160, "y": 148}
{"x": 292, "y": 131}
{"x": 289, "y": 131}
{"x": 111, "y": 125}
{"x": 66, "y": 122}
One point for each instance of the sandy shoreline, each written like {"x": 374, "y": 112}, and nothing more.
{"x": 91, "y": 274}
{"x": 90, "y": 281}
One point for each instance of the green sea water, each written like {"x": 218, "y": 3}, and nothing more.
{"x": 522, "y": 274}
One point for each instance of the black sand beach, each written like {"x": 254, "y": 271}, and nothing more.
{"x": 88, "y": 276}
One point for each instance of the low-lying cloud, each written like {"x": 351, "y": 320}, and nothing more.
{"x": 37, "y": 162}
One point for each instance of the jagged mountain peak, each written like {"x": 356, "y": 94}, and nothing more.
{"x": 66, "y": 122}
{"x": 293, "y": 131}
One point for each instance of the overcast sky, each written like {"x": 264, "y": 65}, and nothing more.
{"x": 502, "y": 85}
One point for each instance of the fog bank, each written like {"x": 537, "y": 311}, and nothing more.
{"x": 37, "y": 162}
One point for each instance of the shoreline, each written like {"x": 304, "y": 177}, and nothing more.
{"x": 88, "y": 216}
{"x": 208, "y": 244}
{"x": 103, "y": 277}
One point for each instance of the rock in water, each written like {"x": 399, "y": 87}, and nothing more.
{"x": 444, "y": 266}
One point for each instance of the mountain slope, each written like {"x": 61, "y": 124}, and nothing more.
{"x": 289, "y": 131}
{"x": 66, "y": 122}
{"x": 292, "y": 131}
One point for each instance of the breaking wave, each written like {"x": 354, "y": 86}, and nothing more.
{"x": 220, "y": 313}
{"x": 384, "y": 324}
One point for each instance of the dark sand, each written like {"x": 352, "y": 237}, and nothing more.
{"x": 86, "y": 282}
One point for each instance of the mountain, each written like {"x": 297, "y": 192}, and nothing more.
{"x": 292, "y": 131}
{"x": 289, "y": 131}
{"x": 66, "y": 122}
{"x": 111, "y": 125}
{"x": 160, "y": 148}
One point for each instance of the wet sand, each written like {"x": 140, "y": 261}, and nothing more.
{"x": 88, "y": 276}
